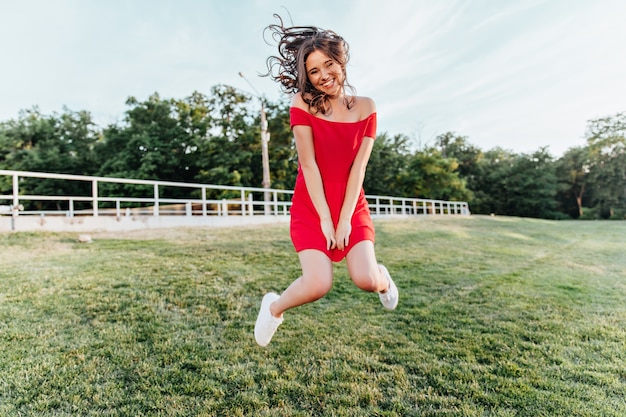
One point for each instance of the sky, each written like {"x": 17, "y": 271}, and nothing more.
{"x": 515, "y": 74}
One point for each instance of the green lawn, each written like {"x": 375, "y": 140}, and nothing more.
{"x": 497, "y": 317}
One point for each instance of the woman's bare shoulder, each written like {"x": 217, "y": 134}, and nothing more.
{"x": 365, "y": 105}
{"x": 298, "y": 101}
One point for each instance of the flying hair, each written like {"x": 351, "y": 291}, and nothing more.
{"x": 295, "y": 44}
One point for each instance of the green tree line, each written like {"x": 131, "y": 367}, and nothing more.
{"x": 215, "y": 139}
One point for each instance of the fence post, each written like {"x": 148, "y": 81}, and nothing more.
{"x": 156, "y": 200}
{"x": 16, "y": 202}
{"x": 203, "y": 201}
{"x": 243, "y": 202}
{"x": 251, "y": 204}
{"x": 16, "y": 194}
{"x": 94, "y": 195}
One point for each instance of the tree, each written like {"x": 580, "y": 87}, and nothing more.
{"x": 60, "y": 143}
{"x": 153, "y": 143}
{"x": 469, "y": 159}
{"x": 282, "y": 148}
{"x": 467, "y": 155}
{"x": 489, "y": 188}
{"x": 572, "y": 171}
{"x": 231, "y": 153}
{"x": 389, "y": 159}
{"x": 531, "y": 186}
{"x": 430, "y": 175}
{"x": 606, "y": 138}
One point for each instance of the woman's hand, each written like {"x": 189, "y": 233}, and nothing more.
{"x": 342, "y": 235}
{"x": 328, "y": 230}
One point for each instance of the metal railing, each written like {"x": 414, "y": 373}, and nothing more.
{"x": 240, "y": 201}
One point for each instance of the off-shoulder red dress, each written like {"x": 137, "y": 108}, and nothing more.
{"x": 336, "y": 145}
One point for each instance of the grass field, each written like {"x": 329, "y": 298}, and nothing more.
{"x": 497, "y": 317}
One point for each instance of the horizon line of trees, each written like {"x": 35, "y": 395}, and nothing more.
{"x": 215, "y": 139}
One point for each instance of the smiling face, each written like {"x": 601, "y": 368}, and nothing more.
{"x": 324, "y": 73}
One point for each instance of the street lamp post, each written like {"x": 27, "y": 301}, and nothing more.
{"x": 265, "y": 138}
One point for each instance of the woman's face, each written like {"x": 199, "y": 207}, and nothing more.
{"x": 324, "y": 73}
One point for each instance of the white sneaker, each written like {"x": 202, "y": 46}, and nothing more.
{"x": 391, "y": 296}
{"x": 266, "y": 324}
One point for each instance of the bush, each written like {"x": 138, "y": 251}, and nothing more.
{"x": 590, "y": 213}
{"x": 618, "y": 214}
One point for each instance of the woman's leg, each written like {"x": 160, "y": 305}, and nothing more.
{"x": 315, "y": 282}
{"x": 369, "y": 276}
{"x": 363, "y": 268}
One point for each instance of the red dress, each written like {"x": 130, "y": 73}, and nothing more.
{"x": 336, "y": 145}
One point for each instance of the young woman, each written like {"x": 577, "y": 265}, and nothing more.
{"x": 334, "y": 132}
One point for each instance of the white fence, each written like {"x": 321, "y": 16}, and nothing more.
{"x": 103, "y": 205}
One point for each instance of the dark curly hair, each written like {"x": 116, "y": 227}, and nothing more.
{"x": 295, "y": 44}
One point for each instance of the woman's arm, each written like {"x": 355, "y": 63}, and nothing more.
{"x": 313, "y": 180}
{"x": 312, "y": 176}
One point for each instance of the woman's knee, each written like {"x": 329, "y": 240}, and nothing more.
{"x": 363, "y": 268}
{"x": 367, "y": 280}
{"x": 317, "y": 273}
{"x": 318, "y": 284}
